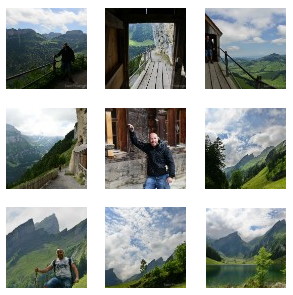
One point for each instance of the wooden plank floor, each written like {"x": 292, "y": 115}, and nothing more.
{"x": 158, "y": 75}
{"x": 215, "y": 78}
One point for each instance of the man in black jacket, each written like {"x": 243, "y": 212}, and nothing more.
{"x": 67, "y": 58}
{"x": 160, "y": 163}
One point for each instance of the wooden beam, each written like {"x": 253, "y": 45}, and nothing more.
{"x": 122, "y": 129}
{"x": 116, "y": 80}
{"x": 112, "y": 21}
{"x": 182, "y": 127}
{"x": 109, "y": 131}
{"x": 171, "y": 127}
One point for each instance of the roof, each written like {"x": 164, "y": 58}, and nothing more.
{"x": 80, "y": 148}
{"x": 213, "y": 25}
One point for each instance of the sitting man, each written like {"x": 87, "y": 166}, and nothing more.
{"x": 159, "y": 157}
{"x": 63, "y": 268}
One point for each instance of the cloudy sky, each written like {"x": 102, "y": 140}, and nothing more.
{"x": 246, "y": 131}
{"x": 250, "y": 223}
{"x": 251, "y": 32}
{"x": 133, "y": 234}
{"x": 46, "y": 122}
{"x": 67, "y": 217}
{"x": 46, "y": 20}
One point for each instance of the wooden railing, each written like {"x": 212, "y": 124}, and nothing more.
{"x": 39, "y": 181}
{"x": 53, "y": 64}
{"x": 83, "y": 169}
{"x": 144, "y": 57}
{"x": 258, "y": 83}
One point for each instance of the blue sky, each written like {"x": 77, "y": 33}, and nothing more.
{"x": 251, "y": 32}
{"x": 133, "y": 234}
{"x": 248, "y": 222}
{"x": 46, "y": 20}
{"x": 246, "y": 131}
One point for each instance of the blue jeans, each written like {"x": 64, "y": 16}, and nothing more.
{"x": 66, "y": 67}
{"x": 159, "y": 182}
{"x": 209, "y": 53}
{"x": 59, "y": 283}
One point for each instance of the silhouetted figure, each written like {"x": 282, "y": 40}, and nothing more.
{"x": 67, "y": 58}
{"x": 209, "y": 47}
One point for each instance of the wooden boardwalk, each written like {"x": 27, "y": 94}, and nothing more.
{"x": 157, "y": 74}
{"x": 215, "y": 77}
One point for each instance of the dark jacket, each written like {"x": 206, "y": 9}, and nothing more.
{"x": 67, "y": 54}
{"x": 209, "y": 44}
{"x": 158, "y": 157}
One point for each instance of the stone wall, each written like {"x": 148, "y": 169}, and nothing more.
{"x": 133, "y": 171}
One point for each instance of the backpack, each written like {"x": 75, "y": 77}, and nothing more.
{"x": 69, "y": 262}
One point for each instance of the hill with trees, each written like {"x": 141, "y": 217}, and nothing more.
{"x": 171, "y": 274}
{"x": 272, "y": 69}
{"x": 58, "y": 155}
{"x": 22, "y": 151}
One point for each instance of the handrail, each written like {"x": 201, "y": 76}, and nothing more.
{"x": 32, "y": 70}
{"x": 145, "y": 54}
{"x": 53, "y": 63}
{"x": 257, "y": 80}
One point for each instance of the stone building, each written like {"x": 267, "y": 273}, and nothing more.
{"x": 78, "y": 161}
{"x": 126, "y": 164}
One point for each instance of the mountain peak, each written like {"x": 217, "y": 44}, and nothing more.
{"x": 49, "y": 224}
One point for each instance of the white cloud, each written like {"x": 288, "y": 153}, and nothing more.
{"x": 245, "y": 131}
{"x": 138, "y": 234}
{"x": 282, "y": 29}
{"x": 269, "y": 137}
{"x": 279, "y": 41}
{"x": 258, "y": 40}
{"x": 47, "y": 18}
{"x": 67, "y": 217}
{"x": 245, "y": 24}
{"x": 47, "y": 122}
{"x": 233, "y": 48}
{"x": 221, "y": 222}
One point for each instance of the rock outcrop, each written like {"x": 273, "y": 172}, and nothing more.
{"x": 164, "y": 39}
{"x": 49, "y": 224}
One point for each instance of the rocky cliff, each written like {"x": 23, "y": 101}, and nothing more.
{"x": 164, "y": 39}
{"x": 49, "y": 224}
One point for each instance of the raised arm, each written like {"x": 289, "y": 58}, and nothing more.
{"x": 139, "y": 144}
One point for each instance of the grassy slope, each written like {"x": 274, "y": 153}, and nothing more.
{"x": 82, "y": 283}
{"x": 127, "y": 285}
{"x": 144, "y": 43}
{"x": 260, "y": 182}
{"x": 25, "y": 266}
{"x": 210, "y": 261}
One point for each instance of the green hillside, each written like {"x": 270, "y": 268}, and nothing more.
{"x": 82, "y": 283}
{"x": 271, "y": 68}
{"x": 33, "y": 252}
{"x": 212, "y": 261}
{"x": 260, "y": 181}
{"x": 58, "y": 155}
{"x": 172, "y": 274}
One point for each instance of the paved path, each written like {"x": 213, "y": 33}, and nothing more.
{"x": 63, "y": 182}
{"x": 80, "y": 82}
